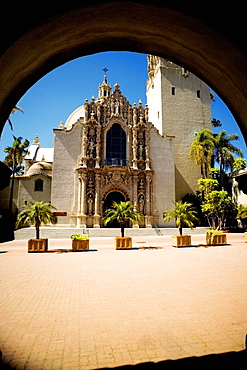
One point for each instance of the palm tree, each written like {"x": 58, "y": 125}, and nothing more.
{"x": 14, "y": 159}
{"x": 13, "y": 111}
{"x": 122, "y": 212}
{"x": 36, "y": 214}
{"x": 224, "y": 150}
{"x": 184, "y": 214}
{"x": 201, "y": 150}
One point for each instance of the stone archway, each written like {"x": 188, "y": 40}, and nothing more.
{"x": 194, "y": 37}
{"x": 116, "y": 196}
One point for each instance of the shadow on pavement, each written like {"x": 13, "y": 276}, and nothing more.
{"x": 228, "y": 360}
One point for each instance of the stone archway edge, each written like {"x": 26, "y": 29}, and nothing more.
{"x": 134, "y": 27}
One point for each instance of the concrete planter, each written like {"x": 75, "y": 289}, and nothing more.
{"x": 37, "y": 245}
{"x": 123, "y": 243}
{"x": 80, "y": 245}
{"x": 181, "y": 241}
{"x": 216, "y": 239}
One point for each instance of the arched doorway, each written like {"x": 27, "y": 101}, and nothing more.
{"x": 113, "y": 196}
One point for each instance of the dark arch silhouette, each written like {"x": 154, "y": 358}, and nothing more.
{"x": 208, "y": 40}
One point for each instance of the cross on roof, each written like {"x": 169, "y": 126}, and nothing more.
{"x": 105, "y": 69}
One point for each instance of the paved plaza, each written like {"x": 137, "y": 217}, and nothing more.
{"x": 109, "y": 308}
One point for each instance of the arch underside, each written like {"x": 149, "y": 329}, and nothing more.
{"x": 132, "y": 26}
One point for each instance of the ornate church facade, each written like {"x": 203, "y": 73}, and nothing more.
{"x": 109, "y": 150}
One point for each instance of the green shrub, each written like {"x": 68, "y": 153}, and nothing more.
{"x": 214, "y": 232}
{"x": 80, "y": 237}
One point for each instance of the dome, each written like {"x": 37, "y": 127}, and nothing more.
{"x": 73, "y": 118}
{"x": 40, "y": 168}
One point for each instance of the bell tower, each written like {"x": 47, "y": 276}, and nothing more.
{"x": 104, "y": 89}
{"x": 179, "y": 106}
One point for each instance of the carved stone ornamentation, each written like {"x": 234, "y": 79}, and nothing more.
{"x": 113, "y": 168}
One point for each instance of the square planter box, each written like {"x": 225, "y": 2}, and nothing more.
{"x": 37, "y": 245}
{"x": 216, "y": 239}
{"x": 123, "y": 243}
{"x": 80, "y": 245}
{"x": 181, "y": 241}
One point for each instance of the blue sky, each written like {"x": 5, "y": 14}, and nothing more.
{"x": 54, "y": 97}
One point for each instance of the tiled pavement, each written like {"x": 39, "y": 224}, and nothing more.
{"x": 106, "y": 308}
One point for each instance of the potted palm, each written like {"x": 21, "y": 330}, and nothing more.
{"x": 36, "y": 214}
{"x": 185, "y": 215}
{"x": 80, "y": 242}
{"x": 123, "y": 212}
{"x": 216, "y": 237}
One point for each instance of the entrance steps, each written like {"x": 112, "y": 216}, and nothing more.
{"x": 66, "y": 232}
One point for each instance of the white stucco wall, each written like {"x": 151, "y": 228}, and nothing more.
{"x": 27, "y": 193}
{"x": 162, "y": 162}
{"x": 67, "y": 147}
{"x": 182, "y": 115}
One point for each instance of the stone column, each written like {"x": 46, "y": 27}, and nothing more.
{"x": 147, "y": 161}
{"x": 148, "y": 217}
{"x": 81, "y": 217}
{"x": 134, "y": 148}
{"x": 98, "y": 131}
{"x": 96, "y": 217}
{"x": 84, "y": 146}
{"x": 135, "y": 196}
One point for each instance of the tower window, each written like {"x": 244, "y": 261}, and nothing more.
{"x": 38, "y": 186}
{"x": 198, "y": 93}
{"x": 185, "y": 72}
{"x": 158, "y": 114}
{"x": 173, "y": 90}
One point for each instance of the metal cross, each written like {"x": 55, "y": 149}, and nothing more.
{"x": 105, "y": 69}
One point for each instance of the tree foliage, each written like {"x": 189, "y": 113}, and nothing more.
{"x": 242, "y": 214}
{"x": 122, "y": 212}
{"x": 208, "y": 149}
{"x": 184, "y": 213}
{"x": 224, "y": 150}
{"x": 207, "y": 185}
{"x": 218, "y": 206}
{"x": 239, "y": 164}
{"x": 16, "y": 154}
{"x": 36, "y": 214}
{"x": 201, "y": 150}
{"x": 14, "y": 160}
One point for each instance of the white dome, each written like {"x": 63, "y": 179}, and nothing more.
{"x": 40, "y": 168}
{"x": 73, "y": 118}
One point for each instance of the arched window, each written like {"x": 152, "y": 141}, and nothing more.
{"x": 116, "y": 146}
{"x": 38, "y": 185}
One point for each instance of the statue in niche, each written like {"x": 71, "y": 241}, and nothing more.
{"x": 91, "y": 148}
{"x": 117, "y": 107}
{"x": 90, "y": 203}
{"x": 141, "y": 184}
{"x": 141, "y": 150}
{"x": 141, "y": 203}
{"x": 90, "y": 182}
{"x": 91, "y": 132}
